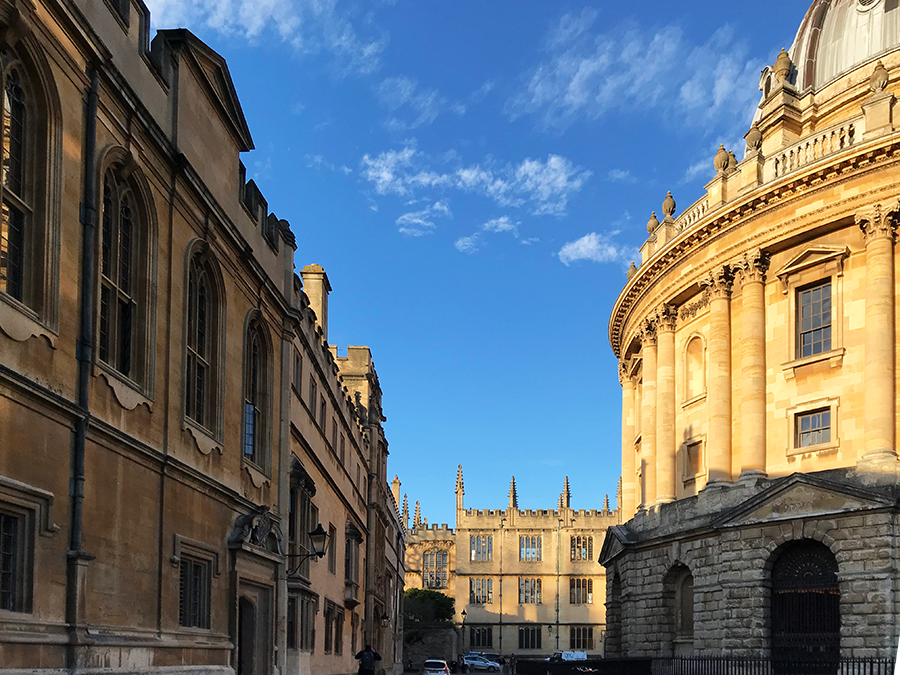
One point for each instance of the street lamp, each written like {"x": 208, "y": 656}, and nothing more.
{"x": 463, "y": 615}
{"x": 319, "y": 540}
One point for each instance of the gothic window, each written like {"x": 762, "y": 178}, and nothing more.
{"x": 694, "y": 370}
{"x": 256, "y": 394}
{"x": 292, "y": 622}
{"x": 202, "y": 327}
{"x": 434, "y": 569}
{"x": 330, "y": 611}
{"x": 581, "y": 591}
{"x": 351, "y": 556}
{"x": 530, "y": 548}
{"x": 530, "y": 637}
{"x": 14, "y": 562}
{"x": 297, "y": 372}
{"x": 814, "y": 319}
{"x": 529, "y": 591}
{"x": 481, "y": 636}
{"x": 303, "y": 516}
{"x": 582, "y": 547}
{"x": 313, "y": 393}
{"x": 323, "y": 413}
{"x": 581, "y": 638}
{"x": 481, "y": 591}
{"x": 194, "y": 593}
{"x": 684, "y": 604}
{"x": 481, "y": 548}
{"x": 338, "y": 630}
{"x": 332, "y": 554}
{"x": 307, "y": 623}
{"x": 16, "y": 215}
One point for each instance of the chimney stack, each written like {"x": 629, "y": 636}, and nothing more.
{"x": 315, "y": 283}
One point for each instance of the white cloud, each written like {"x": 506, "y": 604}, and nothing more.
{"x": 473, "y": 242}
{"x": 620, "y": 176}
{"x": 587, "y": 72}
{"x": 502, "y": 224}
{"x": 418, "y": 223}
{"x": 311, "y": 26}
{"x": 468, "y": 244}
{"x": 543, "y": 185}
{"x": 401, "y": 94}
{"x": 597, "y": 248}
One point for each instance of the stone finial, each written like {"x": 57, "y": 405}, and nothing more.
{"x": 417, "y": 517}
{"x": 619, "y": 494}
{"x": 720, "y": 161}
{"x": 653, "y": 223}
{"x": 732, "y": 161}
{"x": 566, "y": 494}
{"x": 879, "y": 79}
{"x": 753, "y": 138}
{"x": 459, "y": 481}
{"x": 606, "y": 503}
{"x": 405, "y": 514}
{"x": 783, "y": 66}
{"x": 513, "y": 495}
{"x": 668, "y": 205}
{"x": 632, "y": 270}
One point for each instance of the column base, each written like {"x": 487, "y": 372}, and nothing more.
{"x": 717, "y": 484}
{"x": 751, "y": 475}
{"x": 668, "y": 499}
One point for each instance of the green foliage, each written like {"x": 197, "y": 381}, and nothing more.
{"x": 421, "y": 604}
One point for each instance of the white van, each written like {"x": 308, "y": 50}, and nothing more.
{"x": 567, "y": 656}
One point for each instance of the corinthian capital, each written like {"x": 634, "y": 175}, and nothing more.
{"x": 719, "y": 282}
{"x": 623, "y": 372}
{"x": 647, "y": 333}
{"x": 878, "y": 221}
{"x": 752, "y": 266}
{"x": 665, "y": 318}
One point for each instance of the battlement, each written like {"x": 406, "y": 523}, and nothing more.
{"x": 430, "y": 533}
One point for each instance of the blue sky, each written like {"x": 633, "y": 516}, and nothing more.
{"x": 475, "y": 177}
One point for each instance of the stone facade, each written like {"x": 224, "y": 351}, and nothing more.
{"x": 173, "y": 422}
{"x": 497, "y": 559}
{"x": 758, "y": 368}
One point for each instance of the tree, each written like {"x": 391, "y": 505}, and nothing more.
{"x": 424, "y": 605}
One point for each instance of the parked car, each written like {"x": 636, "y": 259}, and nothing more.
{"x": 435, "y": 667}
{"x": 490, "y": 656}
{"x": 474, "y": 663}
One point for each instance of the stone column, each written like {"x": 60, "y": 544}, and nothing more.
{"x": 628, "y": 467}
{"x": 648, "y": 412}
{"x": 718, "y": 400}
{"x": 752, "y": 275}
{"x": 879, "y": 227}
{"x": 665, "y": 405}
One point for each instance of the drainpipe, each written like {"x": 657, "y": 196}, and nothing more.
{"x": 77, "y": 558}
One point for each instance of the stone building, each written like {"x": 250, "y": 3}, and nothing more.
{"x": 526, "y": 579}
{"x": 757, "y": 353}
{"x": 173, "y": 421}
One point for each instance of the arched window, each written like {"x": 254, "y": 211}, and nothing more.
{"x": 434, "y": 569}
{"x": 16, "y": 216}
{"x": 202, "y": 343}
{"x": 256, "y": 385}
{"x": 694, "y": 369}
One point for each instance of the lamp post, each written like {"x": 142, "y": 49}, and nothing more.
{"x": 319, "y": 540}
{"x": 464, "y": 651}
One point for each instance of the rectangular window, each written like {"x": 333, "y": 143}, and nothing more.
{"x": 292, "y": 623}
{"x": 334, "y": 435}
{"x": 530, "y": 637}
{"x": 481, "y": 636}
{"x": 193, "y": 594}
{"x": 342, "y": 451}
{"x": 354, "y": 629}
{"x": 297, "y": 375}
{"x": 338, "y": 630}
{"x": 323, "y": 413}
{"x": 434, "y": 569}
{"x": 581, "y": 591}
{"x": 529, "y": 591}
{"x": 481, "y": 591}
{"x": 12, "y": 562}
{"x": 582, "y": 547}
{"x": 329, "y": 627}
{"x": 581, "y": 638}
{"x": 307, "y": 623}
{"x": 313, "y": 393}
{"x": 693, "y": 459}
{"x": 332, "y": 561}
{"x": 813, "y": 428}
{"x": 351, "y": 560}
{"x": 814, "y": 319}
{"x": 481, "y": 548}
{"x": 530, "y": 548}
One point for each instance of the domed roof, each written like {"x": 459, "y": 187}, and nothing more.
{"x": 837, "y": 35}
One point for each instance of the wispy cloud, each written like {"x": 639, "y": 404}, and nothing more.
{"x": 311, "y": 26}
{"x": 419, "y": 223}
{"x": 587, "y": 72}
{"x": 319, "y": 163}
{"x": 544, "y": 186}
{"x": 597, "y": 248}
{"x": 468, "y": 244}
{"x": 410, "y": 107}
{"x": 620, "y": 176}
{"x": 475, "y": 241}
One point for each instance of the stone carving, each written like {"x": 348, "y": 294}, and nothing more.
{"x": 653, "y": 223}
{"x": 752, "y": 266}
{"x": 719, "y": 282}
{"x": 783, "y": 66}
{"x": 690, "y": 310}
{"x": 879, "y": 79}
{"x": 754, "y": 138}
{"x": 668, "y": 206}
{"x": 732, "y": 161}
{"x": 623, "y": 371}
{"x": 632, "y": 270}
{"x": 720, "y": 161}
{"x": 647, "y": 333}
{"x": 361, "y": 411}
{"x": 666, "y": 316}
{"x": 257, "y": 529}
{"x": 878, "y": 222}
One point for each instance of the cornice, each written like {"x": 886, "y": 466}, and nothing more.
{"x": 857, "y": 161}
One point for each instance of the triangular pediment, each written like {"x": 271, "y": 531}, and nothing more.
{"x": 618, "y": 537}
{"x": 812, "y": 257}
{"x": 802, "y": 496}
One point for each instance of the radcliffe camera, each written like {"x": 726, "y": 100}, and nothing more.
{"x": 629, "y": 276}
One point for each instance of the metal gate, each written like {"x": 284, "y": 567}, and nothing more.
{"x": 806, "y": 616}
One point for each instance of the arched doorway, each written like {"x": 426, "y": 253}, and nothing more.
{"x": 806, "y": 614}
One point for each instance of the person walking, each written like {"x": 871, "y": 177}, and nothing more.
{"x": 367, "y": 658}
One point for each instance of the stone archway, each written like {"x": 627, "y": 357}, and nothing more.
{"x": 806, "y": 617}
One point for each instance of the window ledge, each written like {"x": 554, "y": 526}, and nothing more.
{"x": 256, "y": 475}
{"x": 815, "y": 449}
{"x": 127, "y": 392}
{"x": 695, "y": 399}
{"x": 20, "y": 323}
{"x": 835, "y": 356}
{"x": 203, "y": 438}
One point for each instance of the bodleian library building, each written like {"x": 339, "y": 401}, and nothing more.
{"x": 174, "y": 424}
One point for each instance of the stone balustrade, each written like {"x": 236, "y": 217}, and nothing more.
{"x": 814, "y": 147}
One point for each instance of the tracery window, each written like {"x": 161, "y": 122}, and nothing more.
{"x": 530, "y": 548}
{"x": 481, "y": 548}
{"x": 16, "y": 210}
{"x": 581, "y": 637}
{"x": 256, "y": 377}
{"x": 529, "y": 591}
{"x": 481, "y": 591}
{"x": 582, "y": 547}
{"x": 434, "y": 569}
{"x": 581, "y": 591}
{"x": 202, "y": 344}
